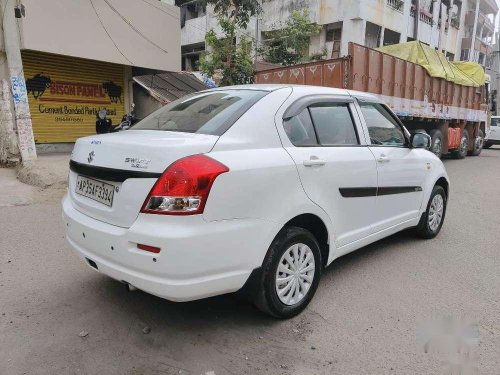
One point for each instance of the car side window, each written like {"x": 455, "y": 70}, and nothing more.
{"x": 334, "y": 124}
{"x": 299, "y": 129}
{"x": 382, "y": 127}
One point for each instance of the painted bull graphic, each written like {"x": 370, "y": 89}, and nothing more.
{"x": 38, "y": 84}
{"x": 113, "y": 90}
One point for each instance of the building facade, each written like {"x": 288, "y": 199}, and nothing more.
{"x": 447, "y": 25}
{"x": 74, "y": 59}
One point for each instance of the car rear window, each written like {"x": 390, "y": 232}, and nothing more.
{"x": 211, "y": 112}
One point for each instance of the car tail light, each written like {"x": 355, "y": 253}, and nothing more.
{"x": 184, "y": 186}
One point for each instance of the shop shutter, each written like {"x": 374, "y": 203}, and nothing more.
{"x": 65, "y": 93}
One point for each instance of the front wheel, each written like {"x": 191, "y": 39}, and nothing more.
{"x": 290, "y": 273}
{"x": 487, "y": 144}
{"x": 432, "y": 219}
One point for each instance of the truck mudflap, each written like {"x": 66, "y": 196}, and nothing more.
{"x": 453, "y": 138}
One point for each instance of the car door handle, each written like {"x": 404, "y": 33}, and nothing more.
{"x": 313, "y": 162}
{"x": 383, "y": 159}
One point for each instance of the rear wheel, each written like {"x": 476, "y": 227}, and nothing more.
{"x": 437, "y": 142}
{"x": 290, "y": 273}
{"x": 478, "y": 144}
{"x": 463, "y": 148}
{"x": 432, "y": 219}
{"x": 487, "y": 144}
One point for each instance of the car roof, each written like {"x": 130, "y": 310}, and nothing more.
{"x": 302, "y": 89}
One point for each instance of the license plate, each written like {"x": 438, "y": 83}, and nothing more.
{"x": 99, "y": 191}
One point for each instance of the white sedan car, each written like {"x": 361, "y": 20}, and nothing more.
{"x": 255, "y": 187}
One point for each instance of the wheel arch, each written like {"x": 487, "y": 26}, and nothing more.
{"x": 317, "y": 227}
{"x": 443, "y": 182}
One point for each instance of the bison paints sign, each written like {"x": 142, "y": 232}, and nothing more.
{"x": 65, "y": 94}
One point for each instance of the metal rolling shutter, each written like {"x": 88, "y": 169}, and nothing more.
{"x": 65, "y": 93}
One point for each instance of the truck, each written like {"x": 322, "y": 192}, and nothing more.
{"x": 454, "y": 115}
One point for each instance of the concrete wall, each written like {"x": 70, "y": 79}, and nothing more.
{"x": 194, "y": 31}
{"x": 354, "y": 15}
{"x": 74, "y": 28}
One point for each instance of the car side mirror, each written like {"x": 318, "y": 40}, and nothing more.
{"x": 420, "y": 140}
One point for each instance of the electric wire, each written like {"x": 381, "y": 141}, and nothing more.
{"x": 106, "y": 31}
{"x": 133, "y": 27}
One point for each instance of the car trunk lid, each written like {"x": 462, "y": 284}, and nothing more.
{"x": 120, "y": 169}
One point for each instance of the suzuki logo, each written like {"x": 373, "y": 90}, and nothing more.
{"x": 91, "y": 156}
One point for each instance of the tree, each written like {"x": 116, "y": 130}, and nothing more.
{"x": 289, "y": 41}
{"x": 226, "y": 56}
{"x": 238, "y": 11}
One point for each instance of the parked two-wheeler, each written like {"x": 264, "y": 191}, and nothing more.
{"x": 103, "y": 124}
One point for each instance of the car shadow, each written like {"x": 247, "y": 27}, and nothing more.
{"x": 228, "y": 309}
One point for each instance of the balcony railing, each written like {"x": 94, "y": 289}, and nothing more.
{"x": 425, "y": 16}
{"x": 396, "y": 4}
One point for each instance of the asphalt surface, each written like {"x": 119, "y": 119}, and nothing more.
{"x": 373, "y": 312}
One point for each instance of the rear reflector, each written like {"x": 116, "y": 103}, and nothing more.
{"x": 151, "y": 249}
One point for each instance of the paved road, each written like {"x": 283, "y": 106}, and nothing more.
{"x": 370, "y": 315}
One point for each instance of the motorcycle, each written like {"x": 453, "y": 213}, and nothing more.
{"x": 127, "y": 121}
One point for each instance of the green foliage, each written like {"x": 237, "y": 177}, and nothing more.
{"x": 227, "y": 60}
{"x": 288, "y": 44}
{"x": 239, "y": 11}
{"x": 319, "y": 55}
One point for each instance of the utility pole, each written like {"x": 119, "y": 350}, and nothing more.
{"x": 405, "y": 21}
{"x": 448, "y": 23}
{"x": 417, "y": 20}
{"x": 258, "y": 20}
{"x": 17, "y": 82}
{"x": 474, "y": 30}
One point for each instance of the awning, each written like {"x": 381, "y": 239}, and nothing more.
{"x": 170, "y": 86}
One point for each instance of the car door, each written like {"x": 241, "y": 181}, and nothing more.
{"x": 336, "y": 168}
{"x": 494, "y": 130}
{"x": 401, "y": 170}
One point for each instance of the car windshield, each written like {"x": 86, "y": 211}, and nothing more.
{"x": 211, "y": 112}
{"x": 495, "y": 121}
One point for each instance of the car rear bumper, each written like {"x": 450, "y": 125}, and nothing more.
{"x": 198, "y": 259}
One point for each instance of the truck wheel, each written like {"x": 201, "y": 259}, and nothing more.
{"x": 437, "y": 142}
{"x": 290, "y": 273}
{"x": 463, "y": 148}
{"x": 478, "y": 144}
{"x": 432, "y": 219}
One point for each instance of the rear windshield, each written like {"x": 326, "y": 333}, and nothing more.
{"x": 211, "y": 112}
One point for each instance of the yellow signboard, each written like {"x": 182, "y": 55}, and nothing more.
{"x": 66, "y": 93}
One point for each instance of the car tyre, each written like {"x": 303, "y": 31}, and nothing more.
{"x": 437, "y": 142}
{"x": 487, "y": 144}
{"x": 463, "y": 148}
{"x": 432, "y": 219}
{"x": 478, "y": 144}
{"x": 301, "y": 245}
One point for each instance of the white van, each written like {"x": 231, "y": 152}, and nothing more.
{"x": 493, "y": 133}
